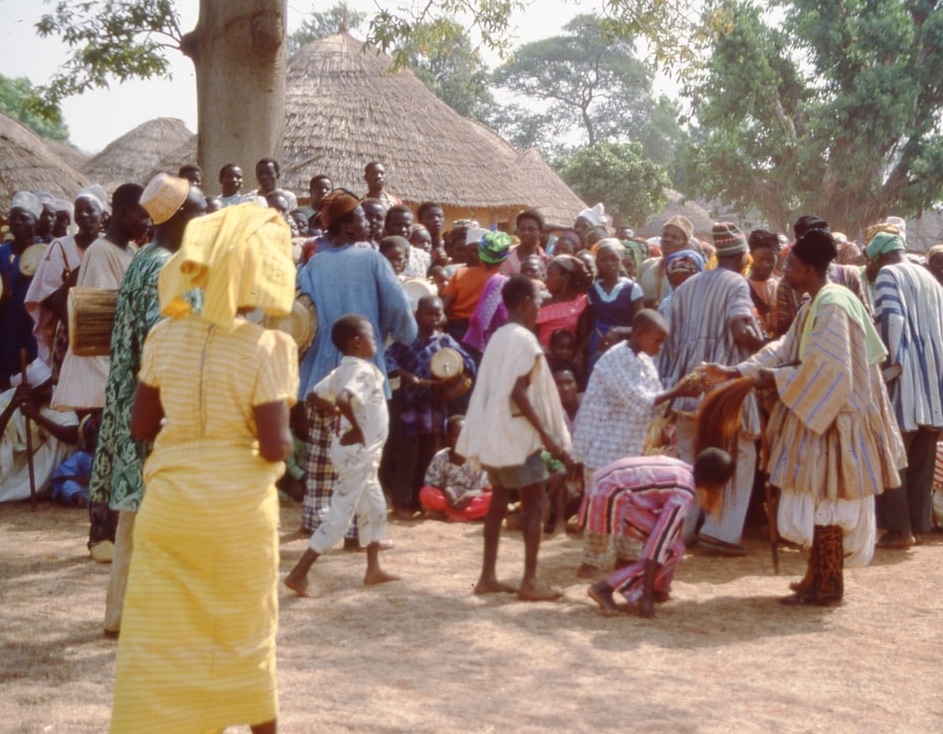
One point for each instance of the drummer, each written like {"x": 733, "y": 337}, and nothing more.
{"x": 19, "y": 259}
{"x": 425, "y": 401}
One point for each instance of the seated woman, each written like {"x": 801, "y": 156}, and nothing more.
{"x": 454, "y": 487}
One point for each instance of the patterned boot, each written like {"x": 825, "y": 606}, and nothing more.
{"x": 830, "y": 561}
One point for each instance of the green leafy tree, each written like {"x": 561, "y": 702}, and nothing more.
{"x": 238, "y": 49}
{"x": 449, "y": 66}
{"x": 19, "y": 100}
{"x": 632, "y": 187}
{"x": 835, "y": 111}
{"x": 327, "y": 23}
{"x": 590, "y": 81}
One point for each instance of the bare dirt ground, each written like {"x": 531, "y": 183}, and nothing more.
{"x": 425, "y": 655}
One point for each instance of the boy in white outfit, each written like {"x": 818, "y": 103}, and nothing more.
{"x": 354, "y": 392}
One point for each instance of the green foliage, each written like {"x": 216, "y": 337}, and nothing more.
{"x": 322, "y": 24}
{"x": 591, "y": 81}
{"x": 834, "y": 112}
{"x": 444, "y": 59}
{"x": 109, "y": 40}
{"x": 19, "y": 99}
{"x": 632, "y": 188}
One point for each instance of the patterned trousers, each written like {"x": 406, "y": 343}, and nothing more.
{"x": 322, "y": 476}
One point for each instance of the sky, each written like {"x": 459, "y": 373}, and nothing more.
{"x": 96, "y": 118}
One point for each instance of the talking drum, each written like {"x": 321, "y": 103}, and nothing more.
{"x": 447, "y": 367}
{"x": 301, "y": 324}
{"x": 30, "y": 259}
{"x": 91, "y": 319}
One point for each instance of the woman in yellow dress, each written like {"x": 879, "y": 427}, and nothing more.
{"x": 197, "y": 646}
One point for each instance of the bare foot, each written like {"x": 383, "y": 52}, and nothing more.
{"x": 298, "y": 585}
{"x": 493, "y": 586}
{"x": 601, "y": 593}
{"x": 372, "y": 578}
{"x": 539, "y": 591}
{"x": 589, "y": 571}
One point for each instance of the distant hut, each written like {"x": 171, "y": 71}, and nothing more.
{"x": 28, "y": 164}
{"x": 135, "y": 154}
{"x": 344, "y": 108}
{"x": 551, "y": 195}
{"x": 677, "y": 204}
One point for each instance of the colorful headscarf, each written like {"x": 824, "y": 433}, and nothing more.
{"x": 494, "y": 247}
{"x": 884, "y": 242}
{"x": 684, "y": 261}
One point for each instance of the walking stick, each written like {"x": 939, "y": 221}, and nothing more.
{"x": 29, "y": 441}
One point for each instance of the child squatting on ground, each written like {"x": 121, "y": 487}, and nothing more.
{"x": 513, "y": 414}
{"x": 354, "y": 392}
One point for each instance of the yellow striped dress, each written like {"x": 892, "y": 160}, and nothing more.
{"x": 197, "y": 647}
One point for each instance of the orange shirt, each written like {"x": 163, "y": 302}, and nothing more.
{"x": 466, "y": 287}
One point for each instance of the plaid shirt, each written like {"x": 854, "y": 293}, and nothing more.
{"x": 421, "y": 412}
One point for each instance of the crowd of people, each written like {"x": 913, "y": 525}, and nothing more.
{"x": 551, "y": 376}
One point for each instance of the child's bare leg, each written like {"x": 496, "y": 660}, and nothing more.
{"x": 533, "y": 499}
{"x": 297, "y": 578}
{"x": 268, "y": 727}
{"x": 376, "y": 575}
{"x": 488, "y": 581}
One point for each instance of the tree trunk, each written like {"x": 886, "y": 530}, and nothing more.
{"x": 238, "y": 51}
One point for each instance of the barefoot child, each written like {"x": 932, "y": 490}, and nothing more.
{"x": 515, "y": 412}
{"x": 454, "y": 486}
{"x": 354, "y": 392}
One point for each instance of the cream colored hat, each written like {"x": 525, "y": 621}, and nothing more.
{"x": 163, "y": 196}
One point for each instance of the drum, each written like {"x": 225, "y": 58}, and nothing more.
{"x": 91, "y": 319}
{"x": 31, "y": 257}
{"x": 446, "y": 364}
{"x": 301, "y": 324}
{"x": 416, "y": 288}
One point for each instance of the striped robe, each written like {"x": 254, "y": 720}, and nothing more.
{"x": 646, "y": 498}
{"x": 702, "y": 309}
{"x": 833, "y": 440}
{"x": 909, "y": 312}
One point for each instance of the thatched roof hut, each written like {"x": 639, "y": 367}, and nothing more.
{"x": 551, "y": 195}
{"x": 132, "y": 156}
{"x": 69, "y": 153}
{"x": 28, "y": 164}
{"x": 344, "y": 108}
{"x": 678, "y": 204}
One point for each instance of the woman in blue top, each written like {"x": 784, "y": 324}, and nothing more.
{"x": 613, "y": 299}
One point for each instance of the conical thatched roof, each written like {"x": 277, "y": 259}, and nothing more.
{"x": 132, "y": 156}
{"x": 71, "y": 155}
{"x": 172, "y": 159}
{"x": 344, "y": 107}
{"x": 678, "y": 204}
{"x": 551, "y": 195}
{"x": 28, "y": 164}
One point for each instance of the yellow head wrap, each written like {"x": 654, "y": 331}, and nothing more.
{"x": 240, "y": 257}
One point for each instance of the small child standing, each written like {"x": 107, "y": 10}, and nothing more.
{"x": 354, "y": 392}
{"x": 453, "y": 485}
{"x": 514, "y": 413}
{"x": 424, "y": 403}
